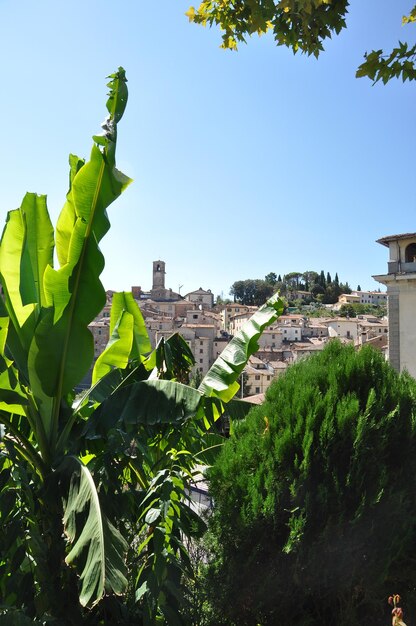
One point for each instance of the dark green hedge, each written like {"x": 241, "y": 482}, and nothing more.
{"x": 315, "y": 497}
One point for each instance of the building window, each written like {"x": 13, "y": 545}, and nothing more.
{"x": 201, "y": 369}
{"x": 257, "y": 389}
{"x": 201, "y": 360}
{"x": 201, "y": 350}
{"x": 201, "y": 343}
{"x": 257, "y": 377}
{"x": 410, "y": 253}
{"x": 268, "y": 377}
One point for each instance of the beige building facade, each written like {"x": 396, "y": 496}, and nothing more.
{"x": 201, "y": 297}
{"x": 400, "y": 281}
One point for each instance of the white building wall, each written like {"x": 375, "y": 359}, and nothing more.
{"x": 407, "y": 333}
{"x": 271, "y": 338}
{"x": 291, "y": 333}
{"x": 342, "y": 328}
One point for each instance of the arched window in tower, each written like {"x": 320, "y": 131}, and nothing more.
{"x": 158, "y": 268}
{"x": 410, "y": 253}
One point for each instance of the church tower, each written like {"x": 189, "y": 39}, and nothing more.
{"x": 401, "y": 290}
{"x": 158, "y": 275}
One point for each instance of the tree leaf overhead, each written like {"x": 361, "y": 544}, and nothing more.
{"x": 298, "y": 24}
{"x": 302, "y": 25}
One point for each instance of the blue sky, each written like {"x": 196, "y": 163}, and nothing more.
{"x": 243, "y": 163}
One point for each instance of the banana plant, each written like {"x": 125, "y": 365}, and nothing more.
{"x": 45, "y": 350}
{"x": 94, "y": 490}
{"x": 161, "y": 430}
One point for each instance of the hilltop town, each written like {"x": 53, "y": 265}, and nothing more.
{"x": 208, "y": 327}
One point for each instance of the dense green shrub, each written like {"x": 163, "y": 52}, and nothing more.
{"x": 315, "y": 497}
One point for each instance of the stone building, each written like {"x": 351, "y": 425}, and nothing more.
{"x": 201, "y": 297}
{"x": 400, "y": 281}
{"x": 158, "y": 290}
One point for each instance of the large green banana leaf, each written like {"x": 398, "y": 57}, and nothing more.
{"x": 128, "y": 337}
{"x": 166, "y": 401}
{"x": 142, "y": 409}
{"x": 26, "y": 250}
{"x": 46, "y": 347}
{"x": 173, "y": 358}
{"x": 148, "y": 402}
{"x": 12, "y": 397}
{"x": 221, "y": 380}
{"x": 61, "y": 350}
{"x": 96, "y": 543}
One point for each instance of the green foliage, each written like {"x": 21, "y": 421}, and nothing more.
{"x": 94, "y": 491}
{"x": 400, "y": 63}
{"x": 302, "y": 25}
{"x": 46, "y": 348}
{"x": 271, "y": 278}
{"x": 298, "y": 25}
{"x": 252, "y": 292}
{"x": 315, "y": 496}
{"x": 256, "y": 291}
{"x": 355, "y": 308}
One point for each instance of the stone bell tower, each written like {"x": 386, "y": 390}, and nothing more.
{"x": 401, "y": 290}
{"x": 159, "y": 291}
{"x": 158, "y": 275}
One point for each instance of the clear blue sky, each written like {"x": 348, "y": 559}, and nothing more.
{"x": 243, "y": 163}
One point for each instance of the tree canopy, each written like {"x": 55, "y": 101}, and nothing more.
{"x": 252, "y": 292}
{"x": 302, "y": 25}
{"x": 315, "y": 496}
{"x": 256, "y": 291}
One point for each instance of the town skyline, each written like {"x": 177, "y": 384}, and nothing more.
{"x": 146, "y": 284}
{"x": 255, "y": 160}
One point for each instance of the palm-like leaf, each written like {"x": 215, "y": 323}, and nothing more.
{"x": 62, "y": 347}
{"x": 26, "y": 250}
{"x": 221, "y": 379}
{"x": 129, "y": 339}
{"x": 148, "y": 402}
{"x": 95, "y": 541}
{"x": 45, "y": 349}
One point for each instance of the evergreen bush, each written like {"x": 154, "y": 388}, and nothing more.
{"x": 315, "y": 497}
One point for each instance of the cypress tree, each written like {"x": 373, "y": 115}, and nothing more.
{"x": 315, "y": 497}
